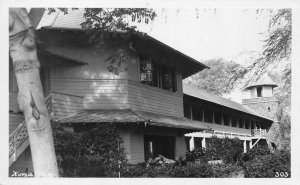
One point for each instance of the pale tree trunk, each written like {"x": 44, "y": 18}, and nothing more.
{"x": 31, "y": 97}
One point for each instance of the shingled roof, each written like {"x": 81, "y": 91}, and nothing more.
{"x": 130, "y": 116}
{"x": 263, "y": 80}
{"x": 203, "y": 95}
{"x": 72, "y": 21}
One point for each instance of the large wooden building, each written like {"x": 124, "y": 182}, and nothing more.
{"x": 143, "y": 95}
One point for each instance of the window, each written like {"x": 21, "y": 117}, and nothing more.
{"x": 247, "y": 125}
{"x": 252, "y": 124}
{"x": 234, "y": 121}
{"x": 197, "y": 113}
{"x": 218, "y": 117}
{"x": 259, "y": 89}
{"x": 159, "y": 145}
{"x": 241, "y": 123}
{"x": 157, "y": 75}
{"x": 187, "y": 110}
{"x": 208, "y": 116}
{"x": 226, "y": 119}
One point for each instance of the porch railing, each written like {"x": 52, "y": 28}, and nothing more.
{"x": 259, "y": 132}
{"x": 20, "y": 134}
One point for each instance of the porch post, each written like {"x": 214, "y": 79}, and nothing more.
{"x": 192, "y": 143}
{"x": 230, "y": 122}
{"x": 245, "y": 146}
{"x": 203, "y": 142}
{"x": 250, "y": 144}
{"x": 213, "y": 117}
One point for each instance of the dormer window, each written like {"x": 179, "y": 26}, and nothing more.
{"x": 157, "y": 75}
{"x": 259, "y": 89}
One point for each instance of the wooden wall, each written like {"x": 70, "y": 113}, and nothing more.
{"x": 102, "y": 89}
{"x": 97, "y": 94}
{"x": 180, "y": 147}
{"x": 13, "y": 102}
{"x": 133, "y": 138}
{"x": 151, "y": 99}
{"x": 65, "y": 104}
{"x": 15, "y": 119}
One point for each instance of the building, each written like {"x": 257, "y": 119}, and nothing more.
{"x": 262, "y": 98}
{"x": 143, "y": 94}
{"x": 223, "y": 118}
{"x": 144, "y": 97}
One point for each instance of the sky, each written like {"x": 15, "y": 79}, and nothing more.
{"x": 211, "y": 33}
{"x": 232, "y": 34}
{"x": 203, "y": 34}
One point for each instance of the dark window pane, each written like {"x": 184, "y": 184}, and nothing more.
{"x": 259, "y": 89}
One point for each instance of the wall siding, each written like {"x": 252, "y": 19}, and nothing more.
{"x": 133, "y": 138}
{"x": 180, "y": 148}
{"x": 151, "y": 99}
{"x": 14, "y": 121}
{"x": 97, "y": 94}
{"x": 137, "y": 147}
{"x": 13, "y": 102}
{"x": 65, "y": 104}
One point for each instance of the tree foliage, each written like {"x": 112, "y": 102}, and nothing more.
{"x": 220, "y": 78}
{"x": 95, "y": 152}
{"x": 98, "y": 21}
{"x": 278, "y": 42}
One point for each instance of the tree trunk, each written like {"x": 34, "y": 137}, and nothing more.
{"x": 31, "y": 97}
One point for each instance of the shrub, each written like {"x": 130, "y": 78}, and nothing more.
{"x": 197, "y": 154}
{"x": 223, "y": 170}
{"x": 255, "y": 152}
{"x": 189, "y": 170}
{"x": 169, "y": 170}
{"x": 226, "y": 149}
{"x": 270, "y": 165}
{"x": 97, "y": 152}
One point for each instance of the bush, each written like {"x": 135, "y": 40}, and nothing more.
{"x": 225, "y": 149}
{"x": 189, "y": 170}
{"x": 197, "y": 154}
{"x": 223, "y": 170}
{"x": 97, "y": 152}
{"x": 255, "y": 152}
{"x": 270, "y": 165}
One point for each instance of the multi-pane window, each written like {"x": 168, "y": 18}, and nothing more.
{"x": 157, "y": 75}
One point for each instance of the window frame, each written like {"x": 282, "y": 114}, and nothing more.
{"x": 158, "y": 74}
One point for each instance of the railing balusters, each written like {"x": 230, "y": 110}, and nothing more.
{"x": 20, "y": 134}
{"x": 259, "y": 132}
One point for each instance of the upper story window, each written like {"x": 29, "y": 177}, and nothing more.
{"x": 157, "y": 75}
{"x": 259, "y": 89}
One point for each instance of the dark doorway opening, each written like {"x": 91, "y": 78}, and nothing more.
{"x": 159, "y": 145}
